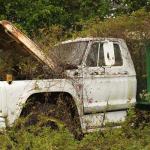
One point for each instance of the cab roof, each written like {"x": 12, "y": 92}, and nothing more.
{"x": 80, "y": 39}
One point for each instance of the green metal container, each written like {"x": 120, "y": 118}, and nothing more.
{"x": 148, "y": 66}
{"x": 144, "y": 102}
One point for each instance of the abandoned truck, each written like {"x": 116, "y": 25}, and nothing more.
{"x": 101, "y": 79}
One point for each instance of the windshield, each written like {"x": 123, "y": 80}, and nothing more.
{"x": 71, "y": 53}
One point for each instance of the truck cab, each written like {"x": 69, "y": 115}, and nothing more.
{"x": 100, "y": 77}
{"x": 106, "y": 73}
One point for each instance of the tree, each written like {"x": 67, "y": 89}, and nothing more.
{"x": 32, "y": 14}
{"x": 136, "y": 4}
{"x": 35, "y": 14}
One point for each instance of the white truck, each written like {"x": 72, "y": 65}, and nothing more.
{"x": 101, "y": 82}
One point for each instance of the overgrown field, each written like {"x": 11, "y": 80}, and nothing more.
{"x": 134, "y": 134}
{"x": 135, "y": 131}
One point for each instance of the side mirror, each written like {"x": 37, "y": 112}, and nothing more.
{"x": 109, "y": 55}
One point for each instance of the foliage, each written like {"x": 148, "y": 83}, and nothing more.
{"x": 137, "y": 4}
{"x": 37, "y": 138}
{"x": 33, "y": 15}
{"x": 116, "y": 139}
{"x": 50, "y": 19}
{"x": 44, "y": 137}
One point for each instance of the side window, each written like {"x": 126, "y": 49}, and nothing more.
{"x": 101, "y": 56}
{"x": 118, "y": 58}
{"x": 104, "y": 54}
{"x": 93, "y": 55}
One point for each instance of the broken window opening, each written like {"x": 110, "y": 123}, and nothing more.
{"x": 118, "y": 57}
{"x": 93, "y": 56}
{"x": 104, "y": 54}
{"x": 70, "y": 53}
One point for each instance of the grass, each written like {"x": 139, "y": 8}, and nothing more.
{"x": 36, "y": 137}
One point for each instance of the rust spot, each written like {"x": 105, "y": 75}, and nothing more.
{"x": 90, "y": 100}
{"x": 79, "y": 87}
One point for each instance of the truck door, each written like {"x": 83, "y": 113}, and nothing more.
{"x": 105, "y": 79}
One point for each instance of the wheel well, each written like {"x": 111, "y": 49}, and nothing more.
{"x": 50, "y": 98}
{"x": 58, "y": 105}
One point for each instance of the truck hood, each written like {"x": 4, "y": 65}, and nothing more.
{"x": 10, "y": 36}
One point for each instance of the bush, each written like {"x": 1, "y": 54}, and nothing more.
{"x": 44, "y": 137}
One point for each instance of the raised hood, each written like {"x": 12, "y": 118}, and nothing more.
{"x": 10, "y": 36}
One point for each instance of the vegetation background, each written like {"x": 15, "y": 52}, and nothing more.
{"x": 51, "y": 21}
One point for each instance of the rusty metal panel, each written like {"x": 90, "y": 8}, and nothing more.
{"x": 26, "y": 43}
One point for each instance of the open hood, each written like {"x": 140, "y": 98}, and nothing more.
{"x": 10, "y": 36}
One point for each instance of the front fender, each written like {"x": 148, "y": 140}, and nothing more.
{"x": 19, "y": 91}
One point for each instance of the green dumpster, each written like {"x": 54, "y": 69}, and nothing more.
{"x": 144, "y": 102}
